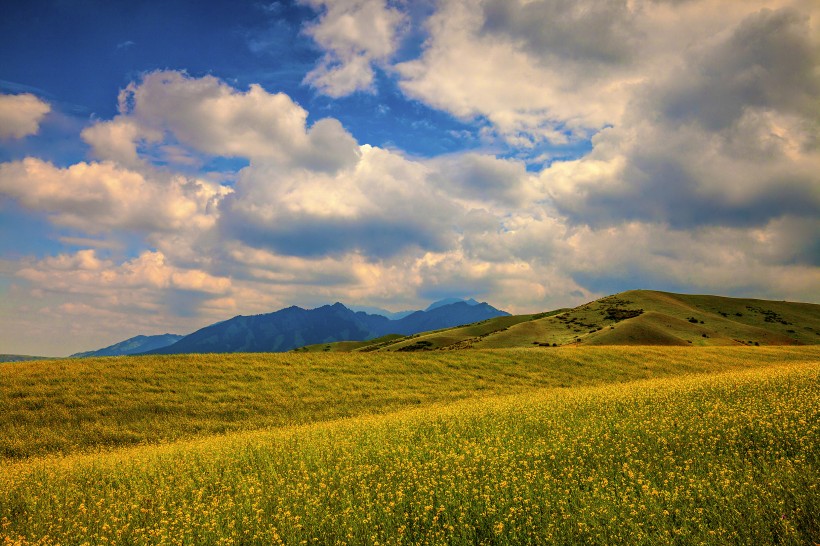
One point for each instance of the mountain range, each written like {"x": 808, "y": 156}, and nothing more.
{"x": 294, "y": 327}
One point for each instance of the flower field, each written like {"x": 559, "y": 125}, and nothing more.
{"x": 710, "y": 458}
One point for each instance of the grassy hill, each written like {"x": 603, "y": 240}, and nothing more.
{"x": 588, "y": 445}
{"x": 645, "y": 317}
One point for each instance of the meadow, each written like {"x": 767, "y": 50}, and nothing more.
{"x": 565, "y": 446}
{"x": 75, "y": 405}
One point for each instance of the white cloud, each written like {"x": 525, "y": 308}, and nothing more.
{"x": 20, "y": 115}
{"x": 213, "y": 118}
{"x": 143, "y": 282}
{"x": 473, "y": 72}
{"x": 79, "y": 301}
{"x": 379, "y": 206}
{"x": 354, "y": 34}
{"x": 728, "y": 137}
{"x": 96, "y": 197}
{"x": 560, "y": 71}
{"x": 777, "y": 261}
{"x": 118, "y": 139}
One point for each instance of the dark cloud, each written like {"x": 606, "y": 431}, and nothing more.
{"x": 658, "y": 186}
{"x": 311, "y": 236}
{"x": 600, "y": 31}
{"x": 767, "y": 62}
{"x": 730, "y": 139}
{"x": 486, "y": 177}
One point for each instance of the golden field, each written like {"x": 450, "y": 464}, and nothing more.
{"x": 567, "y": 446}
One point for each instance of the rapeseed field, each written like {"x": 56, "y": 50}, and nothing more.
{"x": 81, "y": 405}
{"x": 731, "y": 457}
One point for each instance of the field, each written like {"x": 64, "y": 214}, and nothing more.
{"x": 562, "y": 446}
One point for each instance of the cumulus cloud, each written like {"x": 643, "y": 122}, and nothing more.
{"x": 729, "y": 137}
{"x": 603, "y": 31}
{"x": 70, "y": 302}
{"x": 379, "y": 207}
{"x": 489, "y": 60}
{"x": 146, "y": 285}
{"x": 118, "y": 140}
{"x": 211, "y": 117}
{"x": 559, "y": 71}
{"x": 482, "y": 179}
{"x": 767, "y": 61}
{"x": 95, "y": 197}
{"x": 354, "y": 34}
{"x": 20, "y": 115}
{"x": 710, "y": 259}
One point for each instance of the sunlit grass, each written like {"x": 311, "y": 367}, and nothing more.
{"x": 729, "y": 458}
{"x": 76, "y": 405}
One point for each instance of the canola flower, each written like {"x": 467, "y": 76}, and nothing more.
{"x": 731, "y": 458}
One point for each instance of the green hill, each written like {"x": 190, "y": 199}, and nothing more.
{"x": 646, "y": 317}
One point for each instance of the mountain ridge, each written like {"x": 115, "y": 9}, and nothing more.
{"x": 294, "y": 327}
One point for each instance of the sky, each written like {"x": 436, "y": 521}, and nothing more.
{"x": 166, "y": 165}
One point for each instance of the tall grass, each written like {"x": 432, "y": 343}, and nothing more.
{"x": 68, "y": 406}
{"x": 730, "y": 458}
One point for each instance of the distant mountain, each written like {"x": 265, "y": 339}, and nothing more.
{"x": 282, "y": 330}
{"x": 134, "y": 345}
{"x": 392, "y": 315}
{"x": 449, "y": 301}
{"x": 445, "y": 316}
{"x": 294, "y": 327}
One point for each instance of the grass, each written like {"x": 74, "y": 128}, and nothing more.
{"x": 67, "y": 406}
{"x": 731, "y": 457}
{"x": 348, "y": 346}
{"x": 461, "y": 337}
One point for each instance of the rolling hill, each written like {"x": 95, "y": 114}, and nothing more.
{"x": 646, "y": 317}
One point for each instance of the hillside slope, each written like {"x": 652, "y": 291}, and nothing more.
{"x": 646, "y": 317}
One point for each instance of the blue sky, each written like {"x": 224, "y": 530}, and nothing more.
{"x": 167, "y": 165}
